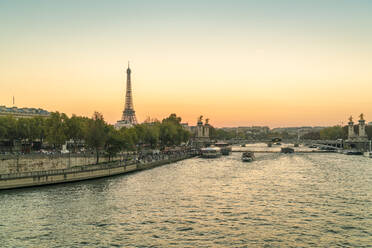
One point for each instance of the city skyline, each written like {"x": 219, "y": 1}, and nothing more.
{"x": 242, "y": 63}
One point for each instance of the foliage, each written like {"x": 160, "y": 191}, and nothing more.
{"x": 76, "y": 127}
{"x": 95, "y": 132}
{"x": 56, "y": 129}
{"x": 114, "y": 142}
{"x": 328, "y": 133}
{"x": 332, "y": 133}
{"x": 311, "y": 136}
{"x": 8, "y": 128}
{"x": 220, "y": 134}
{"x": 171, "y": 131}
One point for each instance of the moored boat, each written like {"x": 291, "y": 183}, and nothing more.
{"x": 287, "y": 150}
{"x": 210, "y": 152}
{"x": 367, "y": 154}
{"x": 225, "y": 147}
{"x": 353, "y": 152}
{"x": 248, "y": 156}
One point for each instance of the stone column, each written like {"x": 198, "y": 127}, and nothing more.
{"x": 199, "y": 130}
{"x": 351, "y": 134}
{"x": 206, "y": 131}
{"x": 362, "y": 129}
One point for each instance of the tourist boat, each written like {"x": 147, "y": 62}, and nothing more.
{"x": 248, "y": 156}
{"x": 353, "y": 152}
{"x": 225, "y": 147}
{"x": 287, "y": 150}
{"x": 369, "y": 153}
{"x": 328, "y": 149}
{"x": 278, "y": 144}
{"x": 210, "y": 152}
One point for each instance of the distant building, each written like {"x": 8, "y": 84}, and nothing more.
{"x": 296, "y": 130}
{"x": 228, "y": 129}
{"x": 200, "y": 132}
{"x": 252, "y": 129}
{"x": 186, "y": 126}
{"x": 23, "y": 112}
{"x": 357, "y": 140}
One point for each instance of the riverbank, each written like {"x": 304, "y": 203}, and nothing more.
{"x": 78, "y": 173}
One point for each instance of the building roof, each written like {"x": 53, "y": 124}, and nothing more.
{"x": 23, "y": 111}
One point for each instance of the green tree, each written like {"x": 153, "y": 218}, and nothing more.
{"x": 173, "y": 118}
{"x": 168, "y": 133}
{"x": 96, "y": 133}
{"x": 333, "y": 133}
{"x": 315, "y": 135}
{"x": 8, "y": 128}
{"x": 23, "y": 126}
{"x": 56, "y": 129}
{"x": 115, "y": 142}
{"x": 151, "y": 134}
{"x": 76, "y": 128}
{"x": 171, "y": 131}
{"x": 129, "y": 137}
{"x": 220, "y": 134}
{"x": 37, "y": 128}
{"x": 140, "y": 132}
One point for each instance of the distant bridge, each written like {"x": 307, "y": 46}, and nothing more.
{"x": 249, "y": 141}
{"x": 330, "y": 143}
{"x": 326, "y": 143}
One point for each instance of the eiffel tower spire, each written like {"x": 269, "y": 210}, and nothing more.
{"x": 129, "y": 115}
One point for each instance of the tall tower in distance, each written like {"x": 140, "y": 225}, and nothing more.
{"x": 128, "y": 118}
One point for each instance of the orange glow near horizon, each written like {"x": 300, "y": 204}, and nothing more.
{"x": 235, "y": 67}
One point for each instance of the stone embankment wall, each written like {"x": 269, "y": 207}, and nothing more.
{"x": 32, "y": 163}
{"x": 27, "y": 179}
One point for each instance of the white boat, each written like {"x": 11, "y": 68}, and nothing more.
{"x": 225, "y": 148}
{"x": 248, "y": 156}
{"x": 210, "y": 152}
{"x": 369, "y": 153}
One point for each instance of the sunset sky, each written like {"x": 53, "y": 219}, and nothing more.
{"x": 240, "y": 63}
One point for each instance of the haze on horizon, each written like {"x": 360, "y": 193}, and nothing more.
{"x": 239, "y": 63}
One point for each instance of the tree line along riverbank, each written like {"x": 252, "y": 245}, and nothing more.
{"x": 88, "y": 133}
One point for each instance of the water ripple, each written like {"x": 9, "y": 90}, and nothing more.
{"x": 307, "y": 200}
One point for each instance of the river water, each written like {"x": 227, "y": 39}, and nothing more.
{"x": 295, "y": 200}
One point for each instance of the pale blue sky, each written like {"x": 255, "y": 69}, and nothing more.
{"x": 192, "y": 53}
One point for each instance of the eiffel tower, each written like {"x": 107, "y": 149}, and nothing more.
{"x": 129, "y": 115}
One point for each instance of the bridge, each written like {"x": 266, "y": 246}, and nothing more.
{"x": 250, "y": 141}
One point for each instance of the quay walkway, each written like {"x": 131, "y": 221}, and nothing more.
{"x": 275, "y": 151}
{"x": 78, "y": 173}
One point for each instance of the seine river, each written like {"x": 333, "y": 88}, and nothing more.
{"x": 295, "y": 200}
